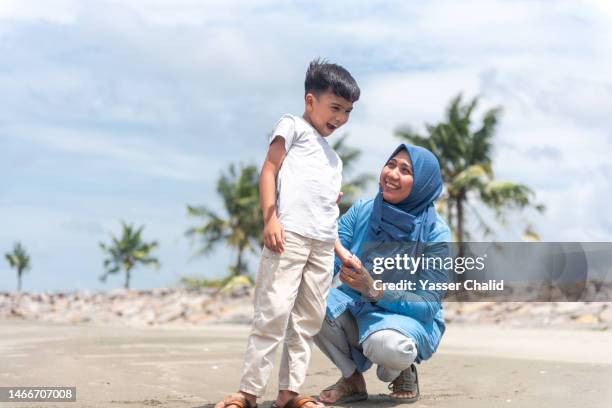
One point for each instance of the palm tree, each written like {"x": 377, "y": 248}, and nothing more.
{"x": 127, "y": 252}
{"x": 465, "y": 157}
{"x": 20, "y": 260}
{"x": 354, "y": 185}
{"x": 242, "y": 226}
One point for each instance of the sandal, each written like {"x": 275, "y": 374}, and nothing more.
{"x": 237, "y": 402}
{"x": 407, "y": 381}
{"x": 296, "y": 402}
{"x": 348, "y": 392}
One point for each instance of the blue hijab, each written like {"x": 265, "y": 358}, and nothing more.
{"x": 412, "y": 219}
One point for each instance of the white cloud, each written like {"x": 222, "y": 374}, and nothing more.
{"x": 166, "y": 93}
{"x": 57, "y": 11}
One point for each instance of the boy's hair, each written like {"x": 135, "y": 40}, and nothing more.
{"x": 322, "y": 76}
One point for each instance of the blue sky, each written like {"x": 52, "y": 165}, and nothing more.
{"x": 129, "y": 110}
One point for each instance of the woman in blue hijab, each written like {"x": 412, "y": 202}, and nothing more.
{"x": 369, "y": 321}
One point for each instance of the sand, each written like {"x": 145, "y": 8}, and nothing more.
{"x": 476, "y": 366}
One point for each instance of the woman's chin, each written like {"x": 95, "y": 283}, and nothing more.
{"x": 390, "y": 197}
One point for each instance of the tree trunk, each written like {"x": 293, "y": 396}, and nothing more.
{"x": 460, "y": 200}
{"x": 449, "y": 211}
{"x": 238, "y": 270}
{"x": 462, "y": 294}
{"x": 19, "y": 280}
{"x": 127, "y": 279}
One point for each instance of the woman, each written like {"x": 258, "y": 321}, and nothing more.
{"x": 366, "y": 324}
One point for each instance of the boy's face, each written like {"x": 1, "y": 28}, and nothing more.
{"x": 327, "y": 112}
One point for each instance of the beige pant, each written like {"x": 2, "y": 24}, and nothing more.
{"x": 290, "y": 299}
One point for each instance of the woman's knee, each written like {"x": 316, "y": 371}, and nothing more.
{"x": 391, "y": 349}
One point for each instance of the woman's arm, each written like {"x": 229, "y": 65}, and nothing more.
{"x": 421, "y": 304}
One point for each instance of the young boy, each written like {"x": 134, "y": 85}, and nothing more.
{"x": 299, "y": 188}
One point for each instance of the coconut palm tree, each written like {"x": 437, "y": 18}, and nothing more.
{"x": 350, "y": 186}
{"x": 465, "y": 156}
{"x": 20, "y": 260}
{"x": 127, "y": 252}
{"x": 241, "y": 227}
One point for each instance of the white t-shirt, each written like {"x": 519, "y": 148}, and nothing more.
{"x": 308, "y": 182}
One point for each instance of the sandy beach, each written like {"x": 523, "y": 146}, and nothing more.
{"x": 118, "y": 366}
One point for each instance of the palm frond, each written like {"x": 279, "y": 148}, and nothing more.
{"x": 465, "y": 157}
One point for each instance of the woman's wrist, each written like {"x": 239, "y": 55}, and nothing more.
{"x": 375, "y": 294}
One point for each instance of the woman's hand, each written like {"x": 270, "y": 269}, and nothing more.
{"x": 357, "y": 277}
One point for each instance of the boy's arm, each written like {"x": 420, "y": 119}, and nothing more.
{"x": 342, "y": 253}
{"x": 273, "y": 233}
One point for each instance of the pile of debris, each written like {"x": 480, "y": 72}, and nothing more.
{"x": 193, "y": 307}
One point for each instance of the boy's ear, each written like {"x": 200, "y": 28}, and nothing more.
{"x": 309, "y": 100}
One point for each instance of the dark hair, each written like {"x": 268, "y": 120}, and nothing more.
{"x": 322, "y": 76}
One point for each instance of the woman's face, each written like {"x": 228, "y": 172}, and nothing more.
{"x": 396, "y": 178}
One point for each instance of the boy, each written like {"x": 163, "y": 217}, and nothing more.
{"x": 299, "y": 204}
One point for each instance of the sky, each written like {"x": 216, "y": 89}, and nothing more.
{"x": 129, "y": 110}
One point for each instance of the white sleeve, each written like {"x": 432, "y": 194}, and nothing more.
{"x": 284, "y": 128}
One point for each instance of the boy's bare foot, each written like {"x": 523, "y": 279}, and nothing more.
{"x": 235, "y": 400}
{"x": 354, "y": 386}
{"x": 285, "y": 396}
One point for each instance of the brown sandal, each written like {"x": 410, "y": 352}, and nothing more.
{"x": 238, "y": 402}
{"x": 348, "y": 391}
{"x": 297, "y": 402}
{"x": 407, "y": 381}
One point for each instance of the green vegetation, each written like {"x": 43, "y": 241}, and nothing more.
{"x": 350, "y": 186}
{"x": 127, "y": 252}
{"x": 466, "y": 162}
{"x": 241, "y": 227}
{"x": 20, "y": 260}
{"x": 242, "y": 224}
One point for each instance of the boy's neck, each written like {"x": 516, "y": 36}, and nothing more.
{"x": 306, "y": 117}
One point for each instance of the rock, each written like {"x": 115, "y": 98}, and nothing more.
{"x": 169, "y": 314}
{"x": 587, "y": 319}
{"x": 568, "y": 307}
{"x": 606, "y": 314}
{"x": 193, "y": 307}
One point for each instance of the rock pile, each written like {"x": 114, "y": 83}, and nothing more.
{"x": 192, "y": 307}
{"x": 135, "y": 308}
{"x": 589, "y": 315}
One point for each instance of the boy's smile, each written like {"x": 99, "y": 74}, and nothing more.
{"x": 327, "y": 112}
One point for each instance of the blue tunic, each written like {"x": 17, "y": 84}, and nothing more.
{"x": 417, "y": 314}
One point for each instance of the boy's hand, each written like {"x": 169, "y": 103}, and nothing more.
{"x": 353, "y": 262}
{"x": 274, "y": 235}
{"x": 344, "y": 255}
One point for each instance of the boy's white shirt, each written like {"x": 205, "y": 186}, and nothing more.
{"x": 308, "y": 182}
